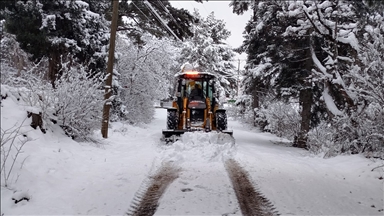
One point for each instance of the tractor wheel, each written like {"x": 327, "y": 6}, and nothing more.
{"x": 172, "y": 119}
{"x": 221, "y": 121}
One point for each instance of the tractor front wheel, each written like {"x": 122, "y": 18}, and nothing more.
{"x": 172, "y": 119}
{"x": 221, "y": 120}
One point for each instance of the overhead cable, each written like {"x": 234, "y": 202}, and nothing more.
{"x": 166, "y": 10}
{"x": 161, "y": 20}
{"x": 140, "y": 10}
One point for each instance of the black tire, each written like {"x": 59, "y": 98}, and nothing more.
{"x": 221, "y": 120}
{"x": 172, "y": 119}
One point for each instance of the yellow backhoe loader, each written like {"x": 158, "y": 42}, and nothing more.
{"x": 195, "y": 106}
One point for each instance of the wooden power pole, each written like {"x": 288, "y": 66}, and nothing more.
{"x": 108, "y": 82}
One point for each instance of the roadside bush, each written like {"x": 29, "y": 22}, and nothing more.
{"x": 77, "y": 101}
{"x": 360, "y": 133}
{"x": 12, "y": 142}
{"x": 282, "y": 119}
{"x": 75, "y": 104}
{"x": 243, "y": 109}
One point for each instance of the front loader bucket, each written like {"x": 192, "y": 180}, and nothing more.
{"x": 172, "y": 135}
{"x": 169, "y": 133}
{"x": 230, "y": 132}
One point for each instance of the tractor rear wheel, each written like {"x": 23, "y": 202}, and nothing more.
{"x": 172, "y": 119}
{"x": 221, "y": 121}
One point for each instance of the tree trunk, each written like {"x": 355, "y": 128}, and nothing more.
{"x": 306, "y": 104}
{"x": 54, "y": 66}
{"x": 108, "y": 83}
{"x": 305, "y": 100}
{"x": 255, "y": 102}
{"x": 255, "y": 105}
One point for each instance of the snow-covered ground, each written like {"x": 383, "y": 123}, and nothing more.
{"x": 63, "y": 177}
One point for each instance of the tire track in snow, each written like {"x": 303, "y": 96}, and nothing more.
{"x": 251, "y": 201}
{"x": 146, "y": 203}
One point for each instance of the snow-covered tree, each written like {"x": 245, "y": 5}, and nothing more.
{"x": 13, "y": 59}
{"x": 206, "y": 51}
{"x": 333, "y": 27}
{"x": 143, "y": 76}
{"x": 310, "y": 51}
{"x": 364, "y": 129}
{"x": 371, "y": 76}
{"x": 55, "y": 28}
{"x": 277, "y": 66}
{"x": 157, "y": 18}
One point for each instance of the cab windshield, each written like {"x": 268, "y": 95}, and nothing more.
{"x": 189, "y": 88}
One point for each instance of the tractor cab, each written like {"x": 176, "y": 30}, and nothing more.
{"x": 195, "y": 107}
{"x": 197, "y": 91}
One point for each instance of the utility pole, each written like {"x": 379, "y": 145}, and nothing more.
{"x": 108, "y": 82}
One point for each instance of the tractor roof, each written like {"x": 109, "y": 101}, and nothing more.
{"x": 195, "y": 75}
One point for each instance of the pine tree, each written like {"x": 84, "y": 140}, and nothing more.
{"x": 280, "y": 60}
{"x": 206, "y": 51}
{"x": 277, "y": 66}
{"x": 54, "y": 29}
{"x": 157, "y": 19}
{"x": 309, "y": 51}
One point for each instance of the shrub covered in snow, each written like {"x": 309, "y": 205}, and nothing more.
{"x": 243, "y": 109}
{"x": 77, "y": 101}
{"x": 361, "y": 133}
{"x": 282, "y": 119}
{"x": 143, "y": 75}
{"x": 75, "y": 104}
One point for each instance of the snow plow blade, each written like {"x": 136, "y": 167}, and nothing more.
{"x": 173, "y": 135}
{"x": 170, "y": 133}
{"x": 230, "y": 132}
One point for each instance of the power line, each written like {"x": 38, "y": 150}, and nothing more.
{"x": 161, "y": 4}
{"x": 140, "y": 11}
{"x": 166, "y": 10}
{"x": 205, "y": 9}
{"x": 156, "y": 17}
{"x": 149, "y": 6}
{"x": 146, "y": 15}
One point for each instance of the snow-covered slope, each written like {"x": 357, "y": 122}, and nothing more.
{"x": 63, "y": 177}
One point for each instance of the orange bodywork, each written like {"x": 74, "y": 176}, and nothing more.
{"x": 186, "y": 113}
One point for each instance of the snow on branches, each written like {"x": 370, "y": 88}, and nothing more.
{"x": 144, "y": 75}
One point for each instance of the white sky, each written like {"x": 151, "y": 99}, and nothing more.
{"x": 234, "y": 23}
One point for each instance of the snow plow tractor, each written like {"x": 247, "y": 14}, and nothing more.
{"x": 194, "y": 107}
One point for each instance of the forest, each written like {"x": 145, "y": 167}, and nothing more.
{"x": 314, "y": 72}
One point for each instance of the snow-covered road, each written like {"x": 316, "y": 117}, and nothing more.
{"x": 299, "y": 183}
{"x": 62, "y": 177}
{"x": 207, "y": 188}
